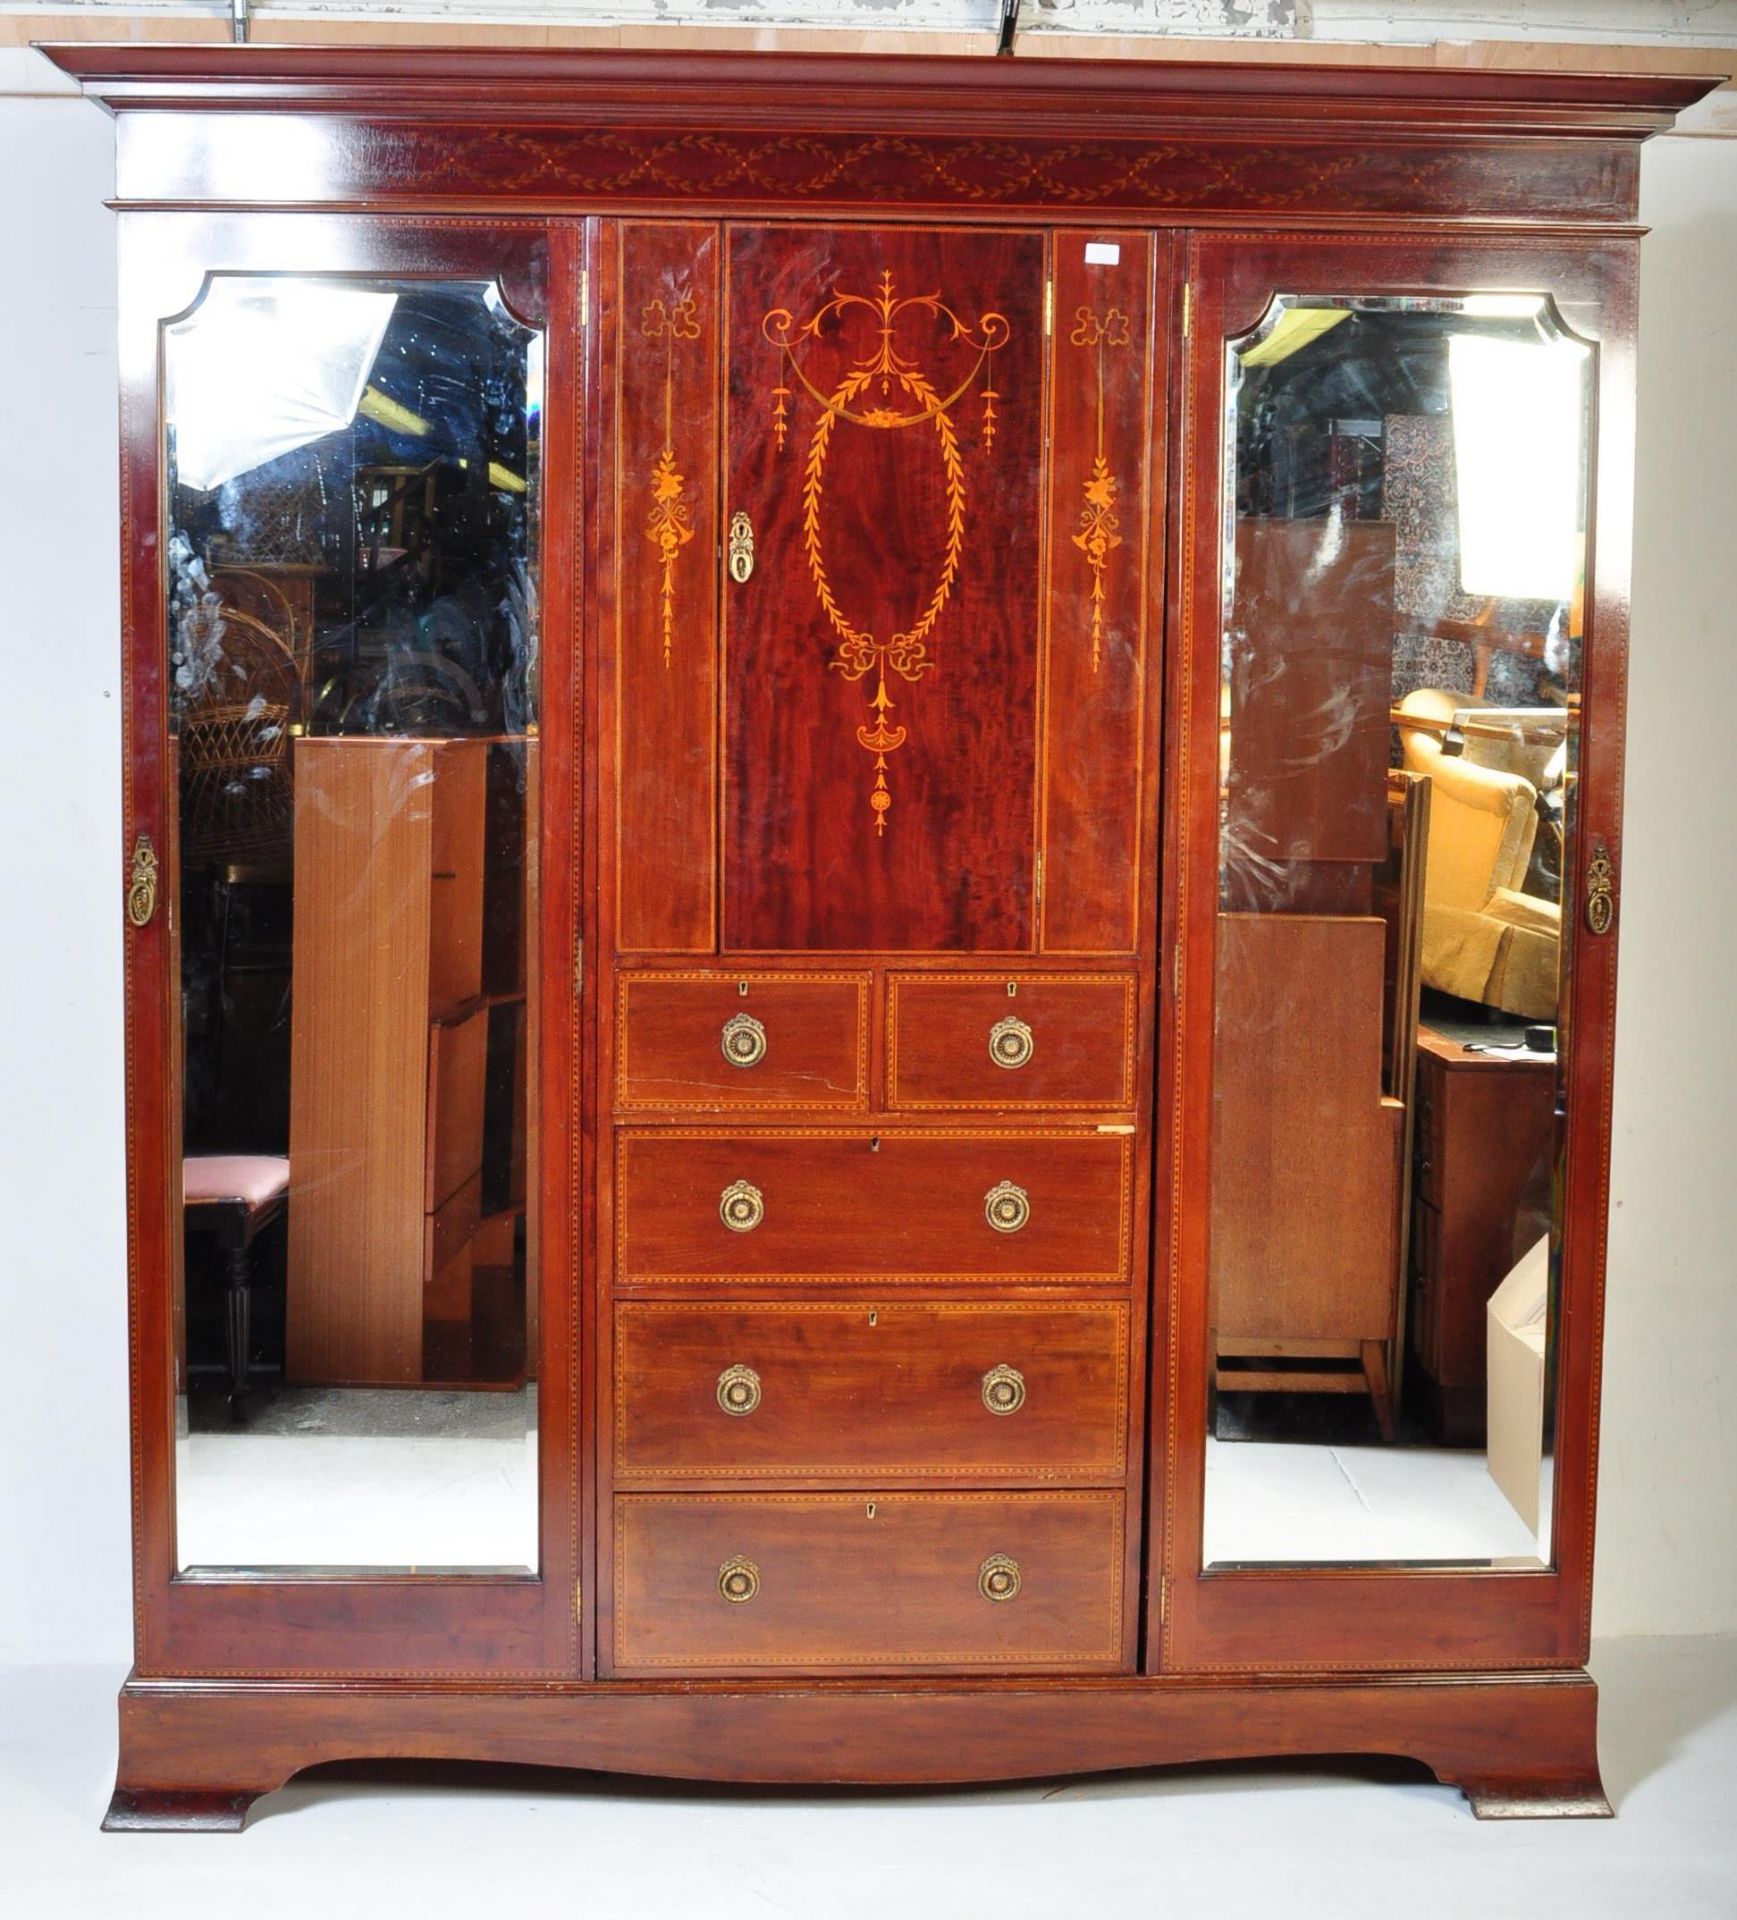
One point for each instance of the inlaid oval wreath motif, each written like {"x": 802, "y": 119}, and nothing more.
{"x": 886, "y": 392}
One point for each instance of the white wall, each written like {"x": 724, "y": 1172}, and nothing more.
{"x": 1668, "y": 1551}
{"x": 1667, "y": 1558}
{"x": 65, "y": 1576}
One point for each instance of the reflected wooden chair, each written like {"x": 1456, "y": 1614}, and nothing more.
{"x": 233, "y": 1197}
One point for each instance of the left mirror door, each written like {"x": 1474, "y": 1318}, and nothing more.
{"x": 352, "y": 522}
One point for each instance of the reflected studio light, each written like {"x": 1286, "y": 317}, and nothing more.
{"x": 280, "y": 363}
{"x": 1517, "y": 412}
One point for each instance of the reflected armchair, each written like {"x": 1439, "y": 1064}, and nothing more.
{"x": 1484, "y": 937}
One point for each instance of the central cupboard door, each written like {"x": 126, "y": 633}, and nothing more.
{"x": 885, "y": 400}
{"x": 883, "y": 590}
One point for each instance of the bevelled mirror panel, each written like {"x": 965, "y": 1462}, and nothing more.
{"x": 1404, "y": 593}
{"x": 351, "y": 565}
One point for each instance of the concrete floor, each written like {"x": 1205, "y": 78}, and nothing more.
{"x": 1284, "y": 1841}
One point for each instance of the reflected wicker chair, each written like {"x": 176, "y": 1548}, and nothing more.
{"x": 237, "y": 803}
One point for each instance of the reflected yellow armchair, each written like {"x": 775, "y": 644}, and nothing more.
{"x": 1484, "y": 937}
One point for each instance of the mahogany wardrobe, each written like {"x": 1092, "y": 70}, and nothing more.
{"x": 872, "y": 855}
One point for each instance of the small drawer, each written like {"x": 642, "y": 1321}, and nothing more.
{"x": 735, "y": 1583}
{"x": 864, "y": 1392}
{"x": 965, "y": 1041}
{"x": 709, "y": 1040}
{"x": 900, "y": 1206}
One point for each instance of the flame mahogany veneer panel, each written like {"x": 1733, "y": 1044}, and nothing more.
{"x": 881, "y": 663}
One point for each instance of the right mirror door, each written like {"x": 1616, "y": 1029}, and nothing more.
{"x": 1403, "y": 573}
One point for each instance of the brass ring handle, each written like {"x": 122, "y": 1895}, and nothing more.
{"x": 743, "y": 1040}
{"x": 738, "y": 1390}
{"x": 1006, "y": 1207}
{"x": 739, "y": 1579}
{"x": 1011, "y": 1043}
{"x": 741, "y": 1206}
{"x": 1004, "y": 1389}
{"x": 998, "y": 1578}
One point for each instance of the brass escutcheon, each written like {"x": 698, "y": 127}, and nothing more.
{"x": 1600, "y": 891}
{"x": 741, "y": 560}
{"x": 741, "y": 1206}
{"x": 998, "y": 1577}
{"x": 1004, "y": 1389}
{"x": 1010, "y": 1042}
{"x": 739, "y": 1579}
{"x": 1006, "y": 1207}
{"x": 738, "y": 1390}
{"x": 743, "y": 1040}
{"x": 142, "y": 882}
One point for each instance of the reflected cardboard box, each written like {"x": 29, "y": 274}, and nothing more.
{"x": 1517, "y": 1315}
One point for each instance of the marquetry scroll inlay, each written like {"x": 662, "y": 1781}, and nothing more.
{"x": 669, "y": 524}
{"x": 1099, "y": 527}
{"x": 885, "y": 392}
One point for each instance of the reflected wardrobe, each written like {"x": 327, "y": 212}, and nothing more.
{"x": 871, "y": 862}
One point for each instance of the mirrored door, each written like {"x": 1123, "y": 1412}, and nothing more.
{"x": 352, "y": 522}
{"x": 1404, "y": 592}
{"x": 1392, "y": 805}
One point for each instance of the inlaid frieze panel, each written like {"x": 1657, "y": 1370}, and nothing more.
{"x": 885, "y": 396}
{"x": 1155, "y": 173}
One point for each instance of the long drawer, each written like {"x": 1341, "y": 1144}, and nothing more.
{"x": 731, "y": 1583}
{"x": 899, "y": 1207}
{"x": 856, "y": 1391}
{"x": 715, "y": 1040}
{"x": 966, "y": 1041}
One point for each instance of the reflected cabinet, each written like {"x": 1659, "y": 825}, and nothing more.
{"x": 871, "y": 857}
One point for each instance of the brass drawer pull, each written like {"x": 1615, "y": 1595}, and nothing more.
{"x": 738, "y": 1390}
{"x": 1007, "y": 1207}
{"x": 741, "y": 1206}
{"x": 998, "y": 1578}
{"x": 1010, "y": 1042}
{"x": 739, "y": 1579}
{"x": 1004, "y": 1389}
{"x": 743, "y": 1040}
